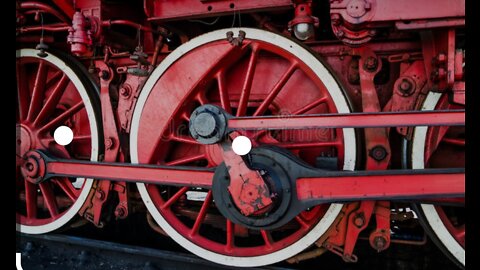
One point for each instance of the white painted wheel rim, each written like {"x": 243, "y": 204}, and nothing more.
{"x": 418, "y": 162}
{"x": 348, "y": 134}
{"x": 73, "y": 210}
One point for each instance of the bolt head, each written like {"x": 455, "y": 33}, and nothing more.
{"x": 336, "y": 19}
{"x": 371, "y": 63}
{"x": 124, "y": 92}
{"x": 104, "y": 74}
{"x": 378, "y": 153}
{"x": 380, "y": 243}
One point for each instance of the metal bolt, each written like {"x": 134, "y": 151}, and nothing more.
{"x": 125, "y": 92}
{"x": 109, "y": 143}
{"x": 359, "y": 220}
{"x": 120, "y": 212}
{"x": 336, "y": 19}
{"x": 441, "y": 58}
{"x": 104, "y": 75}
{"x": 380, "y": 243}
{"x": 405, "y": 88}
{"x": 378, "y": 153}
{"x": 371, "y": 64}
{"x": 29, "y": 166}
{"x": 340, "y": 33}
{"x": 100, "y": 195}
{"x": 442, "y": 73}
{"x": 354, "y": 78}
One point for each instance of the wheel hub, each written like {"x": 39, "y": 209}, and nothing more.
{"x": 208, "y": 124}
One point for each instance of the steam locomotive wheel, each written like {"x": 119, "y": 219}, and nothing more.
{"x": 440, "y": 147}
{"x": 51, "y": 92}
{"x": 266, "y": 75}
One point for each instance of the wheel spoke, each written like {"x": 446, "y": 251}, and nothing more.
{"x": 52, "y": 100}
{"x": 460, "y": 233}
{"x": 68, "y": 188}
{"x": 52, "y": 79}
{"x": 230, "y": 235}
{"x": 76, "y": 138}
{"x": 201, "y": 215}
{"x": 247, "y": 85}
{"x": 49, "y": 199}
{"x": 223, "y": 93}
{"x": 310, "y": 106}
{"x": 452, "y": 141}
{"x": 38, "y": 91}
{"x": 301, "y": 221}
{"x": 202, "y": 99}
{"x": 31, "y": 199}
{"x": 299, "y": 111}
{"x": 185, "y": 160}
{"x": 183, "y": 139}
{"x": 174, "y": 198}
{"x": 267, "y": 238}
{"x": 64, "y": 116}
{"x": 276, "y": 89}
{"x": 23, "y": 94}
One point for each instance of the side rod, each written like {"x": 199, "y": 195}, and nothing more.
{"x": 326, "y": 186}
{"x": 350, "y": 120}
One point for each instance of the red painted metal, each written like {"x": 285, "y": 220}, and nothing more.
{"x": 255, "y": 79}
{"x": 378, "y": 186}
{"x": 79, "y": 37}
{"x": 380, "y": 238}
{"x": 145, "y": 174}
{"x": 60, "y": 27}
{"x": 355, "y": 120}
{"x": 356, "y": 22}
{"x": 45, "y": 8}
{"x": 247, "y": 187}
{"x": 188, "y": 9}
{"x": 406, "y": 91}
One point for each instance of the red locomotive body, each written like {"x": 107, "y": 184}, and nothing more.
{"x": 354, "y": 110}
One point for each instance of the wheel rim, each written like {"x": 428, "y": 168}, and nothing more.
{"x": 432, "y": 150}
{"x": 175, "y": 109}
{"x": 56, "y": 96}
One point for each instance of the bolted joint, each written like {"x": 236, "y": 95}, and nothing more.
{"x": 359, "y": 220}
{"x": 406, "y": 87}
{"x": 121, "y": 212}
{"x": 378, "y": 153}
{"x": 125, "y": 91}
{"x": 104, "y": 75}
{"x": 208, "y": 124}
{"x": 379, "y": 240}
{"x": 100, "y": 195}
{"x": 109, "y": 142}
{"x": 370, "y": 64}
{"x": 336, "y": 19}
{"x": 379, "y": 243}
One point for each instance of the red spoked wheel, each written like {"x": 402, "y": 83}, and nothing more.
{"x": 441, "y": 147}
{"x": 267, "y": 75}
{"x": 52, "y": 91}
